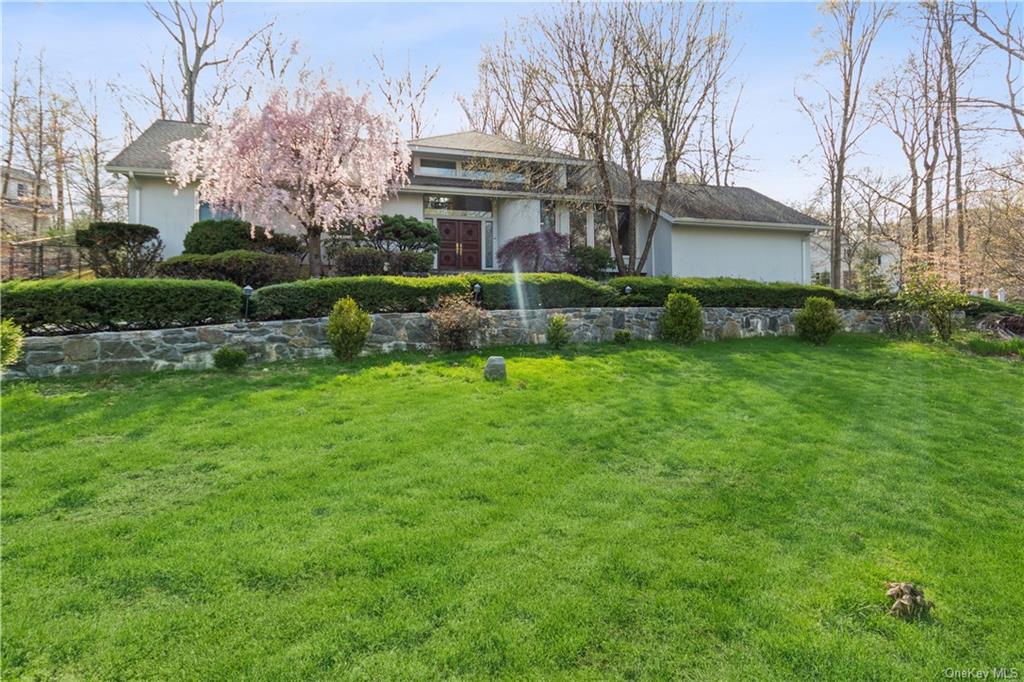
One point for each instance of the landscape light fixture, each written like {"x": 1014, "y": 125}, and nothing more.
{"x": 628, "y": 290}
{"x": 476, "y": 292}
{"x": 247, "y": 294}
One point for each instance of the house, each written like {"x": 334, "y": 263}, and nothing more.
{"x": 25, "y": 216}
{"x": 859, "y": 253}
{"x": 483, "y": 190}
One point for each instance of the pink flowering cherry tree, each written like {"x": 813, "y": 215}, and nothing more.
{"x": 313, "y": 156}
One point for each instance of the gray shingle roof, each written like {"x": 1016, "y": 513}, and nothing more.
{"x": 727, "y": 203}
{"x": 149, "y": 150}
{"x": 484, "y": 143}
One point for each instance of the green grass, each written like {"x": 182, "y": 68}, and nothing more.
{"x": 728, "y": 511}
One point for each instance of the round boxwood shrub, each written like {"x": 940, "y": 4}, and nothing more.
{"x": 216, "y": 236}
{"x": 410, "y": 261}
{"x": 240, "y": 266}
{"x": 557, "y": 335}
{"x": 591, "y": 261}
{"x": 623, "y": 336}
{"x": 348, "y": 327}
{"x": 817, "y": 321}
{"x": 359, "y": 261}
{"x": 683, "y": 319}
{"x": 11, "y": 339}
{"x": 230, "y": 358}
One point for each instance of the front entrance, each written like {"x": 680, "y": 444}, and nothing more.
{"x": 460, "y": 244}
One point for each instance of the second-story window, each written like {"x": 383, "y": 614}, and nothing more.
{"x": 441, "y": 167}
{"x": 22, "y": 190}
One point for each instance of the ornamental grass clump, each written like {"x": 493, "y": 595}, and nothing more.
{"x": 817, "y": 321}
{"x": 458, "y": 322}
{"x": 683, "y": 319}
{"x": 348, "y": 327}
{"x": 623, "y": 336}
{"x": 11, "y": 340}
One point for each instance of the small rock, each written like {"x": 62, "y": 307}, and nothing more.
{"x": 494, "y": 370}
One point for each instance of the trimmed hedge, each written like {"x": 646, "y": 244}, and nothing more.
{"x": 541, "y": 290}
{"x": 71, "y": 306}
{"x": 378, "y": 294}
{"x": 240, "y": 266}
{"x": 727, "y": 292}
{"x": 374, "y": 293}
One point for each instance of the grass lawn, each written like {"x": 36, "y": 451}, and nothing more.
{"x": 728, "y": 511}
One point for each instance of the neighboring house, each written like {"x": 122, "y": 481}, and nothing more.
{"x": 884, "y": 252}
{"x": 18, "y": 205}
{"x": 482, "y": 190}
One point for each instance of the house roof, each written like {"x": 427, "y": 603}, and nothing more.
{"x": 149, "y": 150}
{"x": 710, "y": 202}
{"x": 18, "y": 174}
{"x": 476, "y": 142}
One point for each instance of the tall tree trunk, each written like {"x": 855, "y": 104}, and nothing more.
{"x": 313, "y": 243}
{"x": 12, "y": 110}
{"x": 835, "y": 257}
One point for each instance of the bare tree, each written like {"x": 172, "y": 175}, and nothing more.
{"x": 32, "y": 133}
{"x": 59, "y": 112}
{"x": 1006, "y": 35}
{"x": 716, "y": 155}
{"x": 92, "y": 183}
{"x": 507, "y": 93}
{"x": 852, "y": 28}
{"x": 195, "y": 34}
{"x": 13, "y": 105}
{"x": 405, "y": 95}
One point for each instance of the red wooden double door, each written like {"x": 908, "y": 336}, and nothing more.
{"x": 460, "y": 244}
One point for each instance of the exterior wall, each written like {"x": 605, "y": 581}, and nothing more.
{"x": 516, "y": 217}
{"x": 766, "y": 255}
{"x": 193, "y": 347}
{"x": 153, "y": 201}
{"x": 406, "y": 203}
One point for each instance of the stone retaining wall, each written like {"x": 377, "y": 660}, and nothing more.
{"x": 193, "y": 347}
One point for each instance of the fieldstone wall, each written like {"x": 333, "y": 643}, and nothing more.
{"x": 193, "y": 347}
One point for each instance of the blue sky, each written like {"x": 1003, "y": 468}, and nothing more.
{"x": 108, "y": 41}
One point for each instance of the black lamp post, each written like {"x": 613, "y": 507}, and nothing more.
{"x": 247, "y": 294}
{"x": 476, "y": 292}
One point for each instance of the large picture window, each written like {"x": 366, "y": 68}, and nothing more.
{"x": 625, "y": 238}
{"x": 602, "y": 235}
{"x": 207, "y": 212}
{"x": 577, "y": 228}
{"x": 468, "y": 207}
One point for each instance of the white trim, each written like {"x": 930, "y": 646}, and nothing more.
{"x": 454, "y": 151}
{"x": 128, "y": 170}
{"x": 747, "y": 224}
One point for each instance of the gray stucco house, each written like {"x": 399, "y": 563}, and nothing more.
{"x": 479, "y": 190}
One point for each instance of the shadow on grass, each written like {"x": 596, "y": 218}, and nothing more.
{"x": 767, "y": 360}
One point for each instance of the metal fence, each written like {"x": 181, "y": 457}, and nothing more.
{"x": 36, "y": 258}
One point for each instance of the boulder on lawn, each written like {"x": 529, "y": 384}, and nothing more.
{"x": 494, "y": 370}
